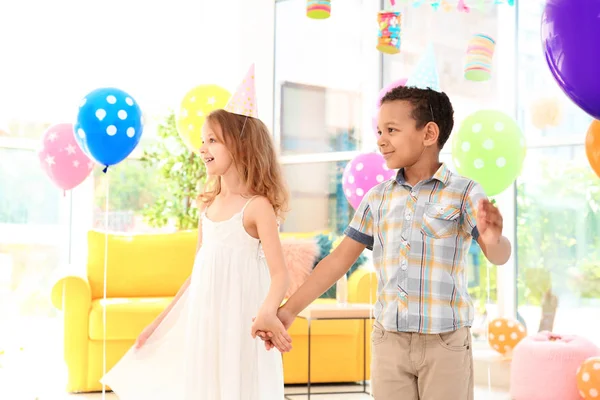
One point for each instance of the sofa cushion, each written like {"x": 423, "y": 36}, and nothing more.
{"x": 140, "y": 265}
{"x": 125, "y": 317}
{"x": 299, "y": 256}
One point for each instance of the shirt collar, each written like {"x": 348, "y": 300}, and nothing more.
{"x": 442, "y": 175}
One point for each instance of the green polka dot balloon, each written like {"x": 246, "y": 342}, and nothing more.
{"x": 489, "y": 148}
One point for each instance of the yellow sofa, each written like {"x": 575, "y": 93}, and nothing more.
{"x": 144, "y": 272}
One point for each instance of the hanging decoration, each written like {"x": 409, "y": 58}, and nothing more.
{"x": 452, "y": 5}
{"x": 478, "y": 64}
{"x": 318, "y": 9}
{"x": 388, "y": 38}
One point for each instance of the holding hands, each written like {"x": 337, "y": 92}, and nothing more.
{"x": 273, "y": 330}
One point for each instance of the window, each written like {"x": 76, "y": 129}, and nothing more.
{"x": 326, "y": 82}
{"x": 317, "y": 198}
{"x": 131, "y": 186}
{"x": 557, "y": 252}
{"x": 559, "y": 241}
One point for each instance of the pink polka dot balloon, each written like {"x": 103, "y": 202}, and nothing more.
{"x": 362, "y": 174}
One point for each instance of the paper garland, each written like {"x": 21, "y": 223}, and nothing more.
{"x": 451, "y": 5}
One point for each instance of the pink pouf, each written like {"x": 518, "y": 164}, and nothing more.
{"x": 544, "y": 366}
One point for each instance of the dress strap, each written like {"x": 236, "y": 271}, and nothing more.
{"x": 246, "y": 205}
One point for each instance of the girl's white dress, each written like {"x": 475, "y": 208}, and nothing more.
{"x": 203, "y": 349}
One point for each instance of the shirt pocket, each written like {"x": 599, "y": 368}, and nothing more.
{"x": 440, "y": 220}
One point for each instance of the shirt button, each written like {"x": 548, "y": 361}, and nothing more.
{"x": 408, "y": 217}
{"x": 403, "y": 266}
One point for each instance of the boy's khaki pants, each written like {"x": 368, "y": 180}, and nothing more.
{"x": 415, "y": 366}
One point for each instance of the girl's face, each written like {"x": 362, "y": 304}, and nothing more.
{"x": 215, "y": 154}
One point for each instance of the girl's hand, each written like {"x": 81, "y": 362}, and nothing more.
{"x": 146, "y": 333}
{"x": 276, "y": 331}
{"x": 286, "y": 319}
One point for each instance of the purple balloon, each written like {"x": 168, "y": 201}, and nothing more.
{"x": 570, "y": 39}
{"x": 383, "y": 92}
{"x": 362, "y": 174}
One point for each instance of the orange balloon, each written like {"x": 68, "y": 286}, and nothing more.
{"x": 592, "y": 146}
{"x": 504, "y": 334}
{"x": 588, "y": 379}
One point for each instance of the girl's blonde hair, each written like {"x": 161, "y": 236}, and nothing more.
{"x": 253, "y": 152}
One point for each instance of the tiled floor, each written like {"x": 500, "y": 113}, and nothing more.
{"x": 480, "y": 394}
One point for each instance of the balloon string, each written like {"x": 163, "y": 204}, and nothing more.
{"x": 487, "y": 338}
{"x": 105, "y": 285}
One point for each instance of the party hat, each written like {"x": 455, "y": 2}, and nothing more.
{"x": 243, "y": 101}
{"x": 426, "y": 74}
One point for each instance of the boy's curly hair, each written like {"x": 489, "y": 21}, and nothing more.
{"x": 428, "y": 106}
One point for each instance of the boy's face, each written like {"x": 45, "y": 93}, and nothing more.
{"x": 400, "y": 142}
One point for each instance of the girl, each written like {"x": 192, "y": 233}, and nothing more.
{"x": 201, "y": 346}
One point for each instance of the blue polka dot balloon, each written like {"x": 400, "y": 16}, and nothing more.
{"x": 109, "y": 125}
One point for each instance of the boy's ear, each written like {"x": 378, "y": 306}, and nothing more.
{"x": 432, "y": 133}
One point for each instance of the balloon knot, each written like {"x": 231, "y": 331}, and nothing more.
{"x": 105, "y": 169}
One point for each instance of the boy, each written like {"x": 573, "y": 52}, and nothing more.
{"x": 419, "y": 226}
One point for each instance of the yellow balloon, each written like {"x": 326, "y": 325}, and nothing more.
{"x": 194, "y": 108}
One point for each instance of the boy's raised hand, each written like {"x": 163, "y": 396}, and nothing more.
{"x": 489, "y": 222}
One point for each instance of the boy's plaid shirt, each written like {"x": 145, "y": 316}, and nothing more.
{"x": 420, "y": 239}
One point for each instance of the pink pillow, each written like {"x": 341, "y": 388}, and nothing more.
{"x": 299, "y": 256}
{"x": 544, "y": 366}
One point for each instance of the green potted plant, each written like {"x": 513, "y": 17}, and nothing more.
{"x": 181, "y": 173}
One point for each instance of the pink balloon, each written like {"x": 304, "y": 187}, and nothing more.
{"x": 393, "y": 85}
{"x": 362, "y": 174}
{"x": 383, "y": 92}
{"x": 62, "y": 158}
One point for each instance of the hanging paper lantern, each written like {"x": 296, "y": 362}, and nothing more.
{"x": 388, "y": 40}
{"x": 318, "y": 9}
{"x": 478, "y": 65}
